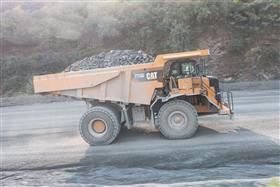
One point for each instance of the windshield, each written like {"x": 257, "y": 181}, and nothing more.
{"x": 183, "y": 69}
{"x": 187, "y": 69}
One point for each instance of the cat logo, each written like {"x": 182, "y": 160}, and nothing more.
{"x": 146, "y": 76}
{"x": 151, "y": 75}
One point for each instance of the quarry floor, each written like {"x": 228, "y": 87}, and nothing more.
{"x": 41, "y": 145}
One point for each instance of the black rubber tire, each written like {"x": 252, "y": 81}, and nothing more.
{"x": 187, "y": 130}
{"x": 114, "y": 107}
{"x": 110, "y": 118}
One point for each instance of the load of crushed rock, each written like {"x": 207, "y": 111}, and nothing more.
{"x": 110, "y": 59}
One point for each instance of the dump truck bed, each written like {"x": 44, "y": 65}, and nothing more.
{"x": 114, "y": 84}
{"x": 130, "y": 84}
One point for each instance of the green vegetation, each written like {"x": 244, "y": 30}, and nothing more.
{"x": 38, "y": 38}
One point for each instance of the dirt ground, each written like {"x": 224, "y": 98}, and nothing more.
{"x": 40, "y": 145}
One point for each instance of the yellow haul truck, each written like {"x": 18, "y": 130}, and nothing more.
{"x": 170, "y": 93}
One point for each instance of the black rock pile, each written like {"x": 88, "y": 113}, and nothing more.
{"x": 109, "y": 59}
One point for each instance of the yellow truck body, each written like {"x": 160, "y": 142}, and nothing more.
{"x": 143, "y": 87}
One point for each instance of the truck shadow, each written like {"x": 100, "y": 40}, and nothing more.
{"x": 139, "y": 156}
{"x": 145, "y": 132}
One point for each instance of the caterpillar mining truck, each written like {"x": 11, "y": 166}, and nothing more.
{"x": 170, "y": 93}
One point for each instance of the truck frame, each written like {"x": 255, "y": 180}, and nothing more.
{"x": 170, "y": 93}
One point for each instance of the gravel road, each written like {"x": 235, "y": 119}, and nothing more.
{"x": 40, "y": 145}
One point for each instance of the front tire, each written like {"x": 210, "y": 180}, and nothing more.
{"x": 99, "y": 126}
{"x": 177, "y": 119}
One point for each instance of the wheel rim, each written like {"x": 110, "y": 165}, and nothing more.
{"x": 97, "y": 127}
{"x": 177, "y": 119}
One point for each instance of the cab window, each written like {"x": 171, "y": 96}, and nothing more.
{"x": 187, "y": 69}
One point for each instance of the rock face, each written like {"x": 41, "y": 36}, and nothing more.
{"x": 109, "y": 59}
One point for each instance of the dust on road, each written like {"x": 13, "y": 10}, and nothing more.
{"x": 41, "y": 146}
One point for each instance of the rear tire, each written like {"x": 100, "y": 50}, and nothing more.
{"x": 177, "y": 119}
{"x": 99, "y": 126}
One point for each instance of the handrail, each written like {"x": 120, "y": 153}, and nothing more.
{"x": 172, "y": 80}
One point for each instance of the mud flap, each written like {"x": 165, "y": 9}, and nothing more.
{"x": 228, "y": 107}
